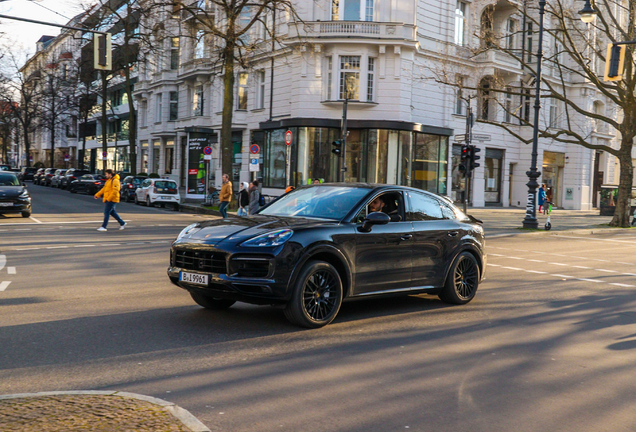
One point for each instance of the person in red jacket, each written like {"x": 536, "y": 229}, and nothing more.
{"x": 110, "y": 192}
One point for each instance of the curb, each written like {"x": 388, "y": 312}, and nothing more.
{"x": 564, "y": 232}
{"x": 181, "y": 414}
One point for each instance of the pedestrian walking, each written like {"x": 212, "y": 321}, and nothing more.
{"x": 254, "y": 197}
{"x": 225, "y": 196}
{"x": 243, "y": 199}
{"x": 110, "y": 194}
{"x": 542, "y": 196}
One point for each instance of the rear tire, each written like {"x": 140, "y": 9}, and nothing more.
{"x": 210, "y": 302}
{"x": 462, "y": 281}
{"x": 317, "y": 296}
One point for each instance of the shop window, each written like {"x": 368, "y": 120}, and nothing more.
{"x": 493, "y": 163}
{"x": 349, "y": 77}
{"x": 275, "y": 163}
{"x": 429, "y": 165}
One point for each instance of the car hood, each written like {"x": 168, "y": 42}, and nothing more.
{"x": 11, "y": 191}
{"x": 238, "y": 229}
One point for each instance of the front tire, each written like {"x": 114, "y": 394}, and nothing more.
{"x": 462, "y": 281}
{"x": 148, "y": 203}
{"x": 317, "y": 296}
{"x": 137, "y": 200}
{"x": 211, "y": 303}
{"x": 26, "y": 214}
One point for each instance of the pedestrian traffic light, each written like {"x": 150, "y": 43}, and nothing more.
{"x": 463, "y": 161}
{"x": 473, "y": 157}
{"x": 337, "y": 147}
{"x": 102, "y": 51}
{"x": 614, "y": 62}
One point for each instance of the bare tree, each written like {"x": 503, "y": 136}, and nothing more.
{"x": 574, "y": 54}
{"x": 229, "y": 29}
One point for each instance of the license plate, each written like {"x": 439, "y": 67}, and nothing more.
{"x": 193, "y": 278}
{"x": 5, "y": 204}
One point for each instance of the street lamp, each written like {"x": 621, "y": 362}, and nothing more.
{"x": 530, "y": 221}
{"x": 588, "y": 14}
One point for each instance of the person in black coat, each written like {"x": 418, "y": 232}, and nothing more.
{"x": 243, "y": 199}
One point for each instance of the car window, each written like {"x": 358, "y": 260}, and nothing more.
{"x": 146, "y": 183}
{"x": 424, "y": 208}
{"x": 326, "y": 202}
{"x": 165, "y": 186}
{"x": 86, "y": 177}
{"x": 391, "y": 203}
{"x": 9, "y": 180}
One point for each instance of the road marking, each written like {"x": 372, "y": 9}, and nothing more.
{"x": 533, "y": 260}
{"x": 494, "y": 265}
{"x": 4, "y": 285}
{"x": 563, "y": 276}
{"x": 34, "y": 219}
{"x": 559, "y": 264}
{"x": 622, "y": 285}
{"x": 589, "y": 280}
{"x": 23, "y": 229}
{"x": 594, "y": 239}
{"x": 56, "y": 247}
{"x": 582, "y": 267}
{"x": 606, "y": 271}
{"x": 512, "y": 268}
{"x": 536, "y": 271}
{"x": 78, "y": 246}
{"x": 57, "y": 223}
{"x": 23, "y": 249}
{"x": 3, "y": 261}
{"x": 11, "y": 270}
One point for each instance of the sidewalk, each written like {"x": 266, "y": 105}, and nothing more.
{"x": 93, "y": 411}
{"x": 500, "y": 221}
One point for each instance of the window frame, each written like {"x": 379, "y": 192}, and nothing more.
{"x": 174, "y": 53}
{"x": 260, "y": 89}
{"x": 410, "y": 214}
{"x": 461, "y": 12}
{"x": 174, "y": 106}
{"x": 366, "y": 10}
{"x": 343, "y": 72}
{"x": 242, "y": 91}
{"x": 158, "y": 107}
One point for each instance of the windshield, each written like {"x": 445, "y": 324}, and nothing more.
{"x": 326, "y": 202}
{"x": 8, "y": 180}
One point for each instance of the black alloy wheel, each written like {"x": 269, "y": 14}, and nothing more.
{"x": 462, "y": 281}
{"x": 317, "y": 296}
{"x": 210, "y": 302}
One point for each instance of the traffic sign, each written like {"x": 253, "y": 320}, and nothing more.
{"x": 104, "y": 154}
{"x": 207, "y": 150}
{"x": 288, "y": 137}
{"x": 254, "y": 165}
{"x": 255, "y": 149}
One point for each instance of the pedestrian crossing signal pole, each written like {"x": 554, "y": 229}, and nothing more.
{"x": 465, "y": 165}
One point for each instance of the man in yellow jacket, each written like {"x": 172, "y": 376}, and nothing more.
{"x": 110, "y": 192}
{"x": 225, "y": 196}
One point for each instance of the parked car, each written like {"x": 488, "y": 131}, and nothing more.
{"x": 37, "y": 177}
{"x": 88, "y": 183}
{"x": 26, "y": 173}
{"x": 71, "y": 175}
{"x": 48, "y": 176}
{"x": 14, "y": 196}
{"x": 4, "y": 167}
{"x": 56, "y": 180}
{"x": 321, "y": 244}
{"x": 128, "y": 187}
{"x": 158, "y": 191}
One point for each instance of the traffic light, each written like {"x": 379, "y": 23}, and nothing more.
{"x": 463, "y": 162}
{"x": 473, "y": 157}
{"x": 614, "y": 62}
{"x": 337, "y": 147}
{"x": 102, "y": 51}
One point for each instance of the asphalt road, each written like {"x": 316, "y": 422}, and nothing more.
{"x": 548, "y": 344}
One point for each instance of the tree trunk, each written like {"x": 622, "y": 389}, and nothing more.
{"x": 227, "y": 149}
{"x": 27, "y": 145}
{"x": 132, "y": 125}
{"x": 52, "y": 131}
{"x": 623, "y": 201}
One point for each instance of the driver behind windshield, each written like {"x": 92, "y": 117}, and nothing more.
{"x": 376, "y": 205}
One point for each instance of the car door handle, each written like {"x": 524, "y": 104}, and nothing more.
{"x": 407, "y": 237}
{"x": 452, "y": 233}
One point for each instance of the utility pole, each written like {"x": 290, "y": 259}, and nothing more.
{"x": 343, "y": 160}
{"x": 468, "y": 139}
{"x": 104, "y": 121}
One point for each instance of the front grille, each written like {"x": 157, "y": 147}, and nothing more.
{"x": 202, "y": 261}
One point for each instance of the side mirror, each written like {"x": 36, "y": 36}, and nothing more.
{"x": 375, "y": 218}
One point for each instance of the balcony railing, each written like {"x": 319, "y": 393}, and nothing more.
{"x": 362, "y": 29}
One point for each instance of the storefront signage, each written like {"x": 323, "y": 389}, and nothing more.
{"x": 288, "y": 137}
{"x": 197, "y": 160}
{"x": 193, "y": 172}
{"x": 255, "y": 149}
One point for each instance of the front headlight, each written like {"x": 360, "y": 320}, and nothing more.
{"x": 274, "y": 238}
{"x": 187, "y": 230}
{"x": 24, "y": 195}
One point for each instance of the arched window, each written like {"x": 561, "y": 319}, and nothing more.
{"x": 487, "y": 28}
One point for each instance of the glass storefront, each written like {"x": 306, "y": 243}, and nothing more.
{"x": 372, "y": 156}
{"x": 493, "y": 164}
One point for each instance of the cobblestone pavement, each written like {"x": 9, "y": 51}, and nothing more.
{"x": 70, "y": 413}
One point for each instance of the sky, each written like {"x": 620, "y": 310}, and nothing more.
{"x": 22, "y": 35}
